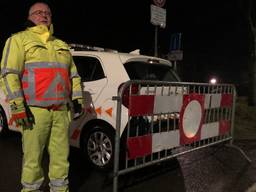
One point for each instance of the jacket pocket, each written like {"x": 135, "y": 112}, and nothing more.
{"x": 35, "y": 51}
{"x": 63, "y": 54}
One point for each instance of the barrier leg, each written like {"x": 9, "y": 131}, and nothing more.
{"x": 115, "y": 184}
{"x": 116, "y": 163}
{"x": 117, "y": 145}
{"x": 241, "y": 151}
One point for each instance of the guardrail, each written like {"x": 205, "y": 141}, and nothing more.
{"x": 169, "y": 119}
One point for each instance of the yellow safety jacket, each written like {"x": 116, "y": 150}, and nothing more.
{"x": 38, "y": 68}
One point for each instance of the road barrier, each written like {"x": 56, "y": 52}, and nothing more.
{"x": 169, "y": 119}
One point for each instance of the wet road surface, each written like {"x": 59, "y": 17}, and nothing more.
{"x": 212, "y": 169}
{"x": 220, "y": 170}
{"x": 82, "y": 178}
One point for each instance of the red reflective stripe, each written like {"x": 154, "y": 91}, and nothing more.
{"x": 75, "y": 134}
{"x": 141, "y": 105}
{"x": 16, "y": 116}
{"x": 19, "y": 115}
{"x": 59, "y": 88}
{"x": 50, "y": 99}
{"x": 26, "y": 97}
{"x": 24, "y": 84}
{"x": 11, "y": 121}
{"x": 226, "y": 100}
{"x": 43, "y": 80}
{"x": 224, "y": 127}
{"x": 139, "y": 146}
{"x": 25, "y": 72}
{"x": 89, "y": 110}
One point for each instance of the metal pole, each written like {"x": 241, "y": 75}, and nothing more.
{"x": 117, "y": 142}
{"x": 156, "y": 35}
{"x": 233, "y": 114}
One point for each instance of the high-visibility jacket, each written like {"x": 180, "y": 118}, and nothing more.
{"x": 38, "y": 68}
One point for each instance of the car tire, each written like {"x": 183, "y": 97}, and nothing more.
{"x": 98, "y": 147}
{"x": 3, "y": 123}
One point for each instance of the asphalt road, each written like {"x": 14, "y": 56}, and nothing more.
{"x": 83, "y": 178}
{"x": 220, "y": 170}
{"x": 212, "y": 169}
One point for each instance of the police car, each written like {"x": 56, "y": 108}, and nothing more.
{"x": 102, "y": 72}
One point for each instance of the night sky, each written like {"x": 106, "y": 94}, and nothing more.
{"x": 215, "y": 33}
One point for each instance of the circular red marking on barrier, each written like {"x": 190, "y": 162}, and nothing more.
{"x": 191, "y": 118}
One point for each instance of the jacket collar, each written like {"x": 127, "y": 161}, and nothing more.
{"x": 43, "y": 31}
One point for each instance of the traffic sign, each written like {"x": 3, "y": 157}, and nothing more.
{"x": 159, "y": 3}
{"x": 175, "y": 41}
{"x": 175, "y": 55}
{"x": 158, "y": 16}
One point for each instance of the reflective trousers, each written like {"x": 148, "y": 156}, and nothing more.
{"x": 50, "y": 131}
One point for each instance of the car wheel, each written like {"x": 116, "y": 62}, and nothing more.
{"x": 3, "y": 123}
{"x": 98, "y": 147}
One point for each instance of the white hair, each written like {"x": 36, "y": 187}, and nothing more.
{"x": 32, "y": 6}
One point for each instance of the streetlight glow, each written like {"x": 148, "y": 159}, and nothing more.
{"x": 213, "y": 80}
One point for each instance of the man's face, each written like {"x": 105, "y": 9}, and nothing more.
{"x": 40, "y": 14}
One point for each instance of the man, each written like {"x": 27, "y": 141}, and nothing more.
{"x": 39, "y": 77}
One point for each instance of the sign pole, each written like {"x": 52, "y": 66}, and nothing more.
{"x": 158, "y": 18}
{"x": 156, "y": 38}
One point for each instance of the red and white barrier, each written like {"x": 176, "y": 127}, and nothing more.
{"x": 192, "y": 127}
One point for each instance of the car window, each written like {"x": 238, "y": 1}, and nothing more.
{"x": 89, "y": 68}
{"x": 147, "y": 71}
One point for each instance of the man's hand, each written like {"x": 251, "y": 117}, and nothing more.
{"x": 20, "y": 115}
{"x": 78, "y": 108}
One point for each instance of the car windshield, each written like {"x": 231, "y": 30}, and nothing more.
{"x": 148, "y": 71}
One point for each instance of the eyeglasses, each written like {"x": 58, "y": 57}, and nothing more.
{"x": 42, "y": 13}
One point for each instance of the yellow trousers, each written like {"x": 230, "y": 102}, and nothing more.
{"x": 49, "y": 131}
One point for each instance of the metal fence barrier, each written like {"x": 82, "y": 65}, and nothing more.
{"x": 168, "y": 119}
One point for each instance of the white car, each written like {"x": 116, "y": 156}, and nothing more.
{"x": 102, "y": 72}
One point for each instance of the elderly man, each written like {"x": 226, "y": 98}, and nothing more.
{"x": 39, "y": 78}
